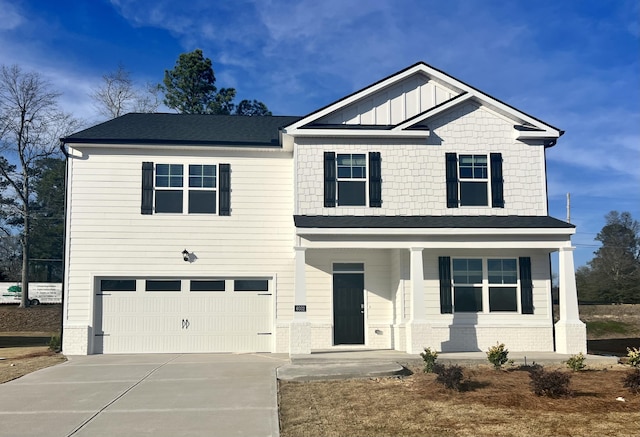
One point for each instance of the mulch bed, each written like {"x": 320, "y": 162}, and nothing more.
{"x": 41, "y": 318}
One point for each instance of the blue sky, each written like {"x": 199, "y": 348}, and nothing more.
{"x": 572, "y": 63}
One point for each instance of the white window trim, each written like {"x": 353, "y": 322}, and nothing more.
{"x": 364, "y": 179}
{"x": 185, "y": 188}
{"x": 486, "y": 180}
{"x": 486, "y": 285}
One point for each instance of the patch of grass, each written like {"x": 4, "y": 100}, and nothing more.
{"x": 599, "y": 328}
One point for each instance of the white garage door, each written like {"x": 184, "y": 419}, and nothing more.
{"x": 183, "y": 315}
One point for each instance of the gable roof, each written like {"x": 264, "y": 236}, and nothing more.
{"x": 527, "y": 125}
{"x": 196, "y": 129}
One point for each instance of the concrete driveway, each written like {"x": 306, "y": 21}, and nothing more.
{"x": 145, "y": 395}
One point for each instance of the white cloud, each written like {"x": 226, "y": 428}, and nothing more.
{"x": 10, "y": 17}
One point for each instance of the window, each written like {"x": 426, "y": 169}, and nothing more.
{"x": 347, "y": 177}
{"x": 168, "y": 198}
{"x": 251, "y": 285}
{"x": 207, "y": 285}
{"x": 208, "y": 189}
{"x": 163, "y": 285}
{"x": 472, "y": 286}
{"x": 467, "y": 285}
{"x": 352, "y": 179}
{"x": 202, "y": 185}
{"x": 503, "y": 279}
{"x": 118, "y": 285}
{"x": 474, "y": 180}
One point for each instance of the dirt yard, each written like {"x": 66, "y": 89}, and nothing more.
{"x": 25, "y": 335}
{"x": 495, "y": 403}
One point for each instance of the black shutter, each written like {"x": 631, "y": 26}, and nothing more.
{"x": 497, "y": 196}
{"x": 444, "y": 267}
{"x": 526, "y": 285}
{"x": 452, "y": 180}
{"x": 329, "y": 179}
{"x": 147, "y": 188}
{"x": 225, "y": 189}
{"x": 375, "y": 180}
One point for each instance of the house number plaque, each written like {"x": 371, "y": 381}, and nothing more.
{"x": 300, "y": 308}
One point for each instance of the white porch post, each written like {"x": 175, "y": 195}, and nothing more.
{"x": 571, "y": 333}
{"x": 300, "y": 328}
{"x": 417, "y": 330}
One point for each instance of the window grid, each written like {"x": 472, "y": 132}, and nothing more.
{"x": 197, "y": 196}
{"x": 499, "y": 286}
{"x": 474, "y": 180}
{"x": 169, "y": 175}
{"x": 351, "y": 178}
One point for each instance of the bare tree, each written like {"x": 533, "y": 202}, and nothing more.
{"x": 118, "y": 95}
{"x": 31, "y": 123}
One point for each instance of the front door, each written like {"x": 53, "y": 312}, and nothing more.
{"x": 348, "y": 308}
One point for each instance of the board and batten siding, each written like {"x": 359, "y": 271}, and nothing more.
{"x": 413, "y": 171}
{"x": 109, "y": 236}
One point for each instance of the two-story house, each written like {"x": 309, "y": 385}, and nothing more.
{"x": 411, "y": 213}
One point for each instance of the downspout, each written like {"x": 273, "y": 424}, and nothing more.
{"x": 64, "y": 239}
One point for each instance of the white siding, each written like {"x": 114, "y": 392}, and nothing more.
{"x": 413, "y": 173}
{"x": 109, "y": 236}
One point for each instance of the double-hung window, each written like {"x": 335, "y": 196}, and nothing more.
{"x": 189, "y": 188}
{"x": 350, "y": 179}
{"x": 474, "y": 180}
{"x": 476, "y": 285}
{"x": 202, "y": 189}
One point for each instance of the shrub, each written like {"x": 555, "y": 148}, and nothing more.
{"x": 633, "y": 357}
{"x": 449, "y": 376}
{"x": 576, "y": 362}
{"x": 497, "y": 355}
{"x": 632, "y": 381}
{"x": 429, "y": 357}
{"x": 55, "y": 344}
{"x": 554, "y": 384}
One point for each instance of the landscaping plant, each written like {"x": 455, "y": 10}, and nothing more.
{"x": 449, "y": 376}
{"x": 554, "y": 384}
{"x": 576, "y": 362}
{"x": 632, "y": 381}
{"x": 633, "y": 357}
{"x": 429, "y": 357}
{"x": 498, "y": 355}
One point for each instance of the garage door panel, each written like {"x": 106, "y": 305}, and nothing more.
{"x": 183, "y": 322}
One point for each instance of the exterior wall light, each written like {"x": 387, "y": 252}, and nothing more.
{"x": 185, "y": 255}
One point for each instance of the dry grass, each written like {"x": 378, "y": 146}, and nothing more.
{"x": 494, "y": 403}
{"x": 19, "y": 361}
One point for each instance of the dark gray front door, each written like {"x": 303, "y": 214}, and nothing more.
{"x": 348, "y": 308}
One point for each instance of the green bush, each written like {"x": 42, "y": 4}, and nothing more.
{"x": 554, "y": 384}
{"x": 576, "y": 362}
{"x": 498, "y": 355}
{"x": 55, "y": 343}
{"x": 449, "y": 376}
{"x": 429, "y": 357}
{"x": 632, "y": 381}
{"x": 633, "y": 357}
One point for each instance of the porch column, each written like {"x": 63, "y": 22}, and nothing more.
{"x": 571, "y": 333}
{"x": 300, "y": 328}
{"x": 417, "y": 329}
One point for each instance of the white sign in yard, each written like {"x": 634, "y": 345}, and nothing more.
{"x": 39, "y": 292}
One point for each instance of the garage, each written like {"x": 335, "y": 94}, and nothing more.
{"x": 194, "y": 315}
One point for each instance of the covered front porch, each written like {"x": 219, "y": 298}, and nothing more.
{"x": 404, "y": 306}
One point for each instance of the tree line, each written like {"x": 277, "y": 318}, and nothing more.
{"x": 32, "y": 179}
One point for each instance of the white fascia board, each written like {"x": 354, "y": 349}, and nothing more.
{"x": 176, "y": 148}
{"x": 434, "y": 111}
{"x": 550, "y": 245}
{"x": 434, "y": 231}
{"x": 532, "y": 135}
{"x": 359, "y": 133}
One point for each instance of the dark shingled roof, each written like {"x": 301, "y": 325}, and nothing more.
{"x": 509, "y": 221}
{"x": 200, "y": 129}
